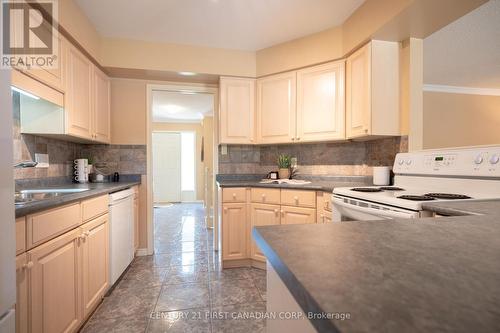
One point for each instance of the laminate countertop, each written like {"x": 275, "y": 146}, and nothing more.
{"x": 432, "y": 274}
{"x": 94, "y": 189}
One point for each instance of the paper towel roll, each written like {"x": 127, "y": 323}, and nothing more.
{"x": 381, "y": 175}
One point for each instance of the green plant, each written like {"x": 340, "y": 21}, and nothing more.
{"x": 284, "y": 161}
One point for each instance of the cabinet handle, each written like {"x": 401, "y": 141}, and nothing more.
{"x": 276, "y": 211}
{"x": 296, "y": 199}
{"x": 234, "y": 195}
{"x": 28, "y": 265}
{"x": 298, "y": 138}
{"x": 225, "y": 210}
{"x": 293, "y": 139}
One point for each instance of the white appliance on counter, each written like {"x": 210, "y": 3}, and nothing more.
{"x": 425, "y": 176}
{"x": 7, "y": 221}
{"x": 121, "y": 232}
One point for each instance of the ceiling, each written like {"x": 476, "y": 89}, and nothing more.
{"x": 232, "y": 24}
{"x": 181, "y": 107}
{"x": 466, "y": 53}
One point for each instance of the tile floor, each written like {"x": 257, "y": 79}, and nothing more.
{"x": 182, "y": 286}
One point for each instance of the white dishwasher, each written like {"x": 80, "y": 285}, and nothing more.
{"x": 121, "y": 232}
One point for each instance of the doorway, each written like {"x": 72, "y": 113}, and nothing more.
{"x": 181, "y": 159}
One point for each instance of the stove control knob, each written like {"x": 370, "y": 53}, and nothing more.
{"x": 401, "y": 162}
{"x": 479, "y": 159}
{"x": 408, "y": 162}
{"x": 494, "y": 159}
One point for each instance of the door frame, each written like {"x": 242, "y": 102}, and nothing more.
{"x": 197, "y": 88}
{"x": 152, "y": 162}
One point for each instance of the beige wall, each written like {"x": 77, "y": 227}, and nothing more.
{"x": 72, "y": 18}
{"x": 455, "y": 120}
{"x": 128, "y": 112}
{"x": 313, "y": 49}
{"x": 174, "y": 57}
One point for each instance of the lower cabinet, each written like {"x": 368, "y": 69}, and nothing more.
{"x": 95, "y": 256}
{"x": 136, "y": 218}
{"x": 234, "y": 231}
{"x": 60, "y": 282}
{"x": 297, "y": 215}
{"x": 54, "y": 285}
{"x": 262, "y": 214}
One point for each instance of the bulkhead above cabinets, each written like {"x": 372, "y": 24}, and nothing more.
{"x": 356, "y": 98}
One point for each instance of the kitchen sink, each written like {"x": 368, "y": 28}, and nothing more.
{"x": 26, "y": 196}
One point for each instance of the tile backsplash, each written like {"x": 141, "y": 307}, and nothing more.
{"x": 345, "y": 158}
{"x": 125, "y": 159}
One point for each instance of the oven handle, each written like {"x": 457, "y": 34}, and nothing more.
{"x": 378, "y": 212}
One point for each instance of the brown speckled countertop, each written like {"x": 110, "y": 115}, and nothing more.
{"x": 432, "y": 274}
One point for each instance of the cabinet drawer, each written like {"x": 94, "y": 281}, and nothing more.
{"x": 48, "y": 224}
{"x": 234, "y": 194}
{"x": 298, "y": 198}
{"x": 20, "y": 235}
{"x": 94, "y": 207}
{"x": 266, "y": 195}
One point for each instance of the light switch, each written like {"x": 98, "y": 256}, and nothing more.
{"x": 223, "y": 149}
{"x": 42, "y": 159}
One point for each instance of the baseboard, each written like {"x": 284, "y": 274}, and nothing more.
{"x": 141, "y": 252}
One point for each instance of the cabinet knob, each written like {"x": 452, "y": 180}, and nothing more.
{"x": 293, "y": 139}
{"x": 298, "y": 138}
{"x": 87, "y": 233}
{"x": 296, "y": 199}
{"x": 234, "y": 195}
{"x": 28, "y": 265}
{"x": 225, "y": 210}
{"x": 276, "y": 211}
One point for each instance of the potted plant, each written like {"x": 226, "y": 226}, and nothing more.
{"x": 284, "y": 164}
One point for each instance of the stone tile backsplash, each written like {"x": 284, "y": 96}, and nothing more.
{"x": 345, "y": 158}
{"x": 125, "y": 159}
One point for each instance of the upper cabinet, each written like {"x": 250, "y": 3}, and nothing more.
{"x": 78, "y": 101}
{"x": 372, "y": 91}
{"x": 320, "y": 103}
{"x": 237, "y": 110}
{"x": 276, "y": 111}
{"x": 101, "y": 120}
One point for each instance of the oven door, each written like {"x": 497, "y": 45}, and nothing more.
{"x": 349, "y": 209}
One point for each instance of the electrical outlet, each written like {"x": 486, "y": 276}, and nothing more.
{"x": 223, "y": 149}
{"x": 42, "y": 159}
{"x": 294, "y": 162}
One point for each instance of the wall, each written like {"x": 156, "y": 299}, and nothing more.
{"x": 454, "y": 120}
{"x": 349, "y": 158}
{"x": 316, "y": 48}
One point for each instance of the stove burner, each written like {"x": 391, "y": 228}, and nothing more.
{"x": 416, "y": 197}
{"x": 391, "y": 188}
{"x": 366, "y": 189}
{"x": 447, "y": 196}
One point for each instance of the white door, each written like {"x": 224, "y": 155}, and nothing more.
{"x": 166, "y": 167}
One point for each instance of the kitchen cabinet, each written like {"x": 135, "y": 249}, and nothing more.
{"x": 78, "y": 99}
{"x": 276, "y": 108}
{"x": 55, "y": 285}
{"x": 237, "y": 111}
{"x": 324, "y": 207}
{"x": 297, "y": 215}
{"x": 101, "y": 111}
{"x": 262, "y": 214}
{"x": 136, "y": 218}
{"x": 372, "y": 91}
{"x": 320, "y": 102}
{"x": 234, "y": 231}
{"x": 95, "y": 256}
{"x": 22, "y": 293}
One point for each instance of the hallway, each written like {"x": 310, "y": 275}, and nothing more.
{"x": 177, "y": 288}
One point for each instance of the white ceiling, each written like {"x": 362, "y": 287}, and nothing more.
{"x": 181, "y": 107}
{"x": 232, "y": 24}
{"x": 466, "y": 53}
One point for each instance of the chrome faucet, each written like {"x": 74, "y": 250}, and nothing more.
{"x": 25, "y": 164}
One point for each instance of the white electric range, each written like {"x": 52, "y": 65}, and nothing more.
{"x": 421, "y": 177}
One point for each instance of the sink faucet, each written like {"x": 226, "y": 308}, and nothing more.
{"x": 25, "y": 164}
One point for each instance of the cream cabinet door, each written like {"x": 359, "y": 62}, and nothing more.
{"x": 136, "y": 221}
{"x": 262, "y": 214}
{"x": 101, "y": 106}
{"x": 276, "y": 108}
{"x": 78, "y": 98}
{"x": 54, "y": 285}
{"x": 234, "y": 231}
{"x": 320, "y": 102}
{"x": 237, "y": 110}
{"x": 297, "y": 215}
{"x": 22, "y": 269}
{"x": 358, "y": 93}
{"x": 95, "y": 264}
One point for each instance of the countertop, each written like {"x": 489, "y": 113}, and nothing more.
{"x": 95, "y": 189}
{"x": 326, "y": 184}
{"x": 431, "y": 274}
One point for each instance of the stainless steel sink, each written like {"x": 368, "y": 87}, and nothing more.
{"x": 26, "y": 196}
